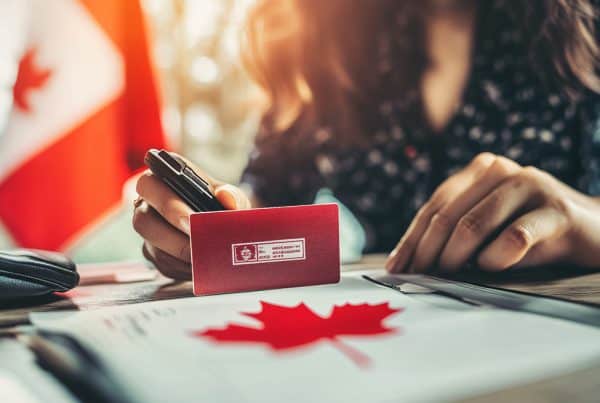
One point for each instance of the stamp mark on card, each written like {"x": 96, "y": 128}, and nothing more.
{"x": 281, "y": 250}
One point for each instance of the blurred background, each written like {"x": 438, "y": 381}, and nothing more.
{"x": 209, "y": 107}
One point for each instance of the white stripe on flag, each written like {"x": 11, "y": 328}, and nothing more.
{"x": 86, "y": 74}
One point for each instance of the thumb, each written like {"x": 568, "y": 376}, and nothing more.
{"x": 231, "y": 197}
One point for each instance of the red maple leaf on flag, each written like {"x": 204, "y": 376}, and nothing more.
{"x": 285, "y": 328}
{"x": 29, "y": 78}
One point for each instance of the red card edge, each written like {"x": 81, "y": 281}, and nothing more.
{"x": 200, "y": 213}
{"x": 195, "y": 280}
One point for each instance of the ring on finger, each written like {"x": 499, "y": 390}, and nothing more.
{"x": 138, "y": 202}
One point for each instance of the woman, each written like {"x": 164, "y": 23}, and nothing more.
{"x": 482, "y": 117}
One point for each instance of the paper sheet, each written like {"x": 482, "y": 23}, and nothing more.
{"x": 115, "y": 272}
{"x": 23, "y": 381}
{"x": 439, "y": 350}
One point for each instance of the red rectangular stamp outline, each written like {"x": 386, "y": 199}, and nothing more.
{"x": 280, "y": 250}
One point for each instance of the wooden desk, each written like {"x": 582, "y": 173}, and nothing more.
{"x": 570, "y": 284}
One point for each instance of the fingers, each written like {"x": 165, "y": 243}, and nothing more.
{"x": 443, "y": 223}
{"x": 175, "y": 210}
{"x": 472, "y": 209}
{"x": 232, "y": 198}
{"x": 159, "y": 233}
{"x": 402, "y": 254}
{"x": 476, "y": 226}
{"x": 167, "y": 264}
{"x": 522, "y": 237}
{"x": 162, "y": 219}
{"x": 400, "y": 257}
{"x": 165, "y": 201}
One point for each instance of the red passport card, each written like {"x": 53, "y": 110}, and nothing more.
{"x": 259, "y": 249}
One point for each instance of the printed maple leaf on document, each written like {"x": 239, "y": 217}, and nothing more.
{"x": 285, "y": 328}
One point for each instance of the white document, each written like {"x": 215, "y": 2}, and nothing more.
{"x": 437, "y": 349}
{"x": 23, "y": 381}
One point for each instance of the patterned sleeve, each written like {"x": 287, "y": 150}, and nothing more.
{"x": 590, "y": 148}
{"x": 281, "y": 169}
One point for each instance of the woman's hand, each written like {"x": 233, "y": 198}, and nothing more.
{"x": 500, "y": 215}
{"x": 162, "y": 219}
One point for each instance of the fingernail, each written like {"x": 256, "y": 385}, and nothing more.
{"x": 233, "y": 198}
{"x": 388, "y": 265}
{"x": 184, "y": 224}
{"x": 393, "y": 257}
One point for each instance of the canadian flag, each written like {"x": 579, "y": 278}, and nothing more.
{"x": 85, "y": 111}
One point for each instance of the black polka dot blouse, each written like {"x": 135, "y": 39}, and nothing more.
{"x": 504, "y": 110}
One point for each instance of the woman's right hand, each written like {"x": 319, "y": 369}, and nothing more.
{"x": 162, "y": 219}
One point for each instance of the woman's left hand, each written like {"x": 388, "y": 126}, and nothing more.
{"x": 500, "y": 215}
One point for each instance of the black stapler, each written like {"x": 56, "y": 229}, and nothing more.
{"x": 30, "y": 273}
